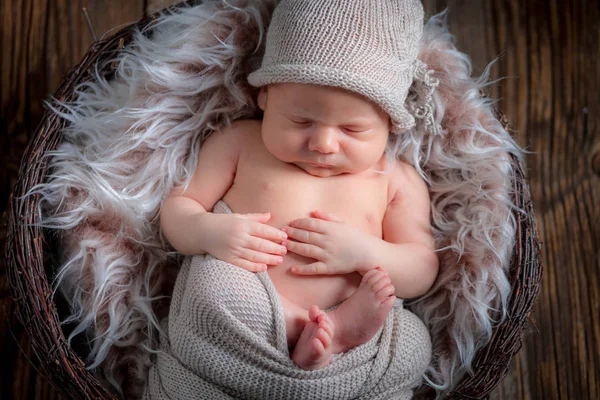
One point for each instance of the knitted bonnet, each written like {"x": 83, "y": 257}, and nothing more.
{"x": 369, "y": 47}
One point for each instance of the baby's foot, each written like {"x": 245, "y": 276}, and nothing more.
{"x": 313, "y": 349}
{"x": 361, "y": 315}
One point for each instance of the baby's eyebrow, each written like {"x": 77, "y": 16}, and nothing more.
{"x": 297, "y": 115}
{"x": 357, "y": 122}
{"x": 296, "y": 110}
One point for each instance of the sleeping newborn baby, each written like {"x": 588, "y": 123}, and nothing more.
{"x": 317, "y": 199}
{"x": 310, "y": 204}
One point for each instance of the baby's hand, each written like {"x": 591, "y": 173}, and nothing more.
{"x": 337, "y": 247}
{"x": 245, "y": 240}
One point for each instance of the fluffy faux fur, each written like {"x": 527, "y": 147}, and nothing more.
{"x": 130, "y": 140}
{"x": 469, "y": 173}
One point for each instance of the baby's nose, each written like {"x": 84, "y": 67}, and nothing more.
{"x": 324, "y": 142}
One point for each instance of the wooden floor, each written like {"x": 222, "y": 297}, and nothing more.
{"x": 550, "y": 52}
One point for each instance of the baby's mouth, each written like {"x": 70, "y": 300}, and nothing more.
{"x": 318, "y": 165}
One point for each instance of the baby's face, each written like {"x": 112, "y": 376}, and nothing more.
{"x": 323, "y": 130}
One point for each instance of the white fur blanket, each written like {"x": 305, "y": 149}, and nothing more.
{"x": 226, "y": 339}
{"x": 130, "y": 140}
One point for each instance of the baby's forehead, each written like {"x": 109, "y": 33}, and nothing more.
{"x": 308, "y": 98}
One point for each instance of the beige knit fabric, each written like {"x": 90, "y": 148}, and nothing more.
{"x": 366, "y": 46}
{"x": 226, "y": 340}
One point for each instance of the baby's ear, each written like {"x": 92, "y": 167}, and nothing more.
{"x": 262, "y": 98}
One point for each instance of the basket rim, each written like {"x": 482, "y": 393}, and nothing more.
{"x": 66, "y": 371}
{"x": 23, "y": 255}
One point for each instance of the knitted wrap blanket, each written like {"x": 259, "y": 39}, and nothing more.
{"x": 225, "y": 338}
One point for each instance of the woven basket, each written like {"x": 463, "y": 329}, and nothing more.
{"x": 27, "y": 250}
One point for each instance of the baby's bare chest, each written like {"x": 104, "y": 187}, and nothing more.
{"x": 268, "y": 185}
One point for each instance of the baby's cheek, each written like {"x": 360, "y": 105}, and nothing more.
{"x": 275, "y": 145}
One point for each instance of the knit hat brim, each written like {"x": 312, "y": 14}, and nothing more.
{"x": 390, "y": 102}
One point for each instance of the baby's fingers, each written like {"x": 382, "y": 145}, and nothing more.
{"x": 317, "y": 268}
{"x": 266, "y": 246}
{"x": 306, "y": 250}
{"x": 267, "y": 232}
{"x": 260, "y": 258}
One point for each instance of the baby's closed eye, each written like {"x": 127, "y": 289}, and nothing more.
{"x": 355, "y": 129}
{"x": 299, "y": 120}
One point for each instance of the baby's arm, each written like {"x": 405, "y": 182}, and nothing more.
{"x": 183, "y": 212}
{"x": 243, "y": 240}
{"x": 407, "y": 248}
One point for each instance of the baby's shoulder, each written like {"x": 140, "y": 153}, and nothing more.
{"x": 405, "y": 171}
{"x": 242, "y": 128}
{"x": 405, "y": 180}
{"x": 234, "y": 138}
{"x": 245, "y": 132}
{"x": 247, "y": 125}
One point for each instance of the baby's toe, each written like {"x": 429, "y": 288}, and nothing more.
{"x": 327, "y": 325}
{"x": 381, "y": 283}
{"x": 315, "y": 313}
{"x": 385, "y": 292}
{"x": 387, "y": 303}
{"x": 324, "y": 338}
{"x": 318, "y": 347}
{"x": 376, "y": 278}
{"x": 370, "y": 275}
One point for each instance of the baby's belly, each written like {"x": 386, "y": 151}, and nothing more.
{"x": 304, "y": 290}
{"x": 322, "y": 290}
{"x": 289, "y": 195}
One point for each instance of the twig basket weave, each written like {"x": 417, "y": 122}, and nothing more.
{"x": 26, "y": 251}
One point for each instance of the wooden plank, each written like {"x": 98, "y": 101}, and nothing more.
{"x": 567, "y": 193}
{"x": 156, "y": 5}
